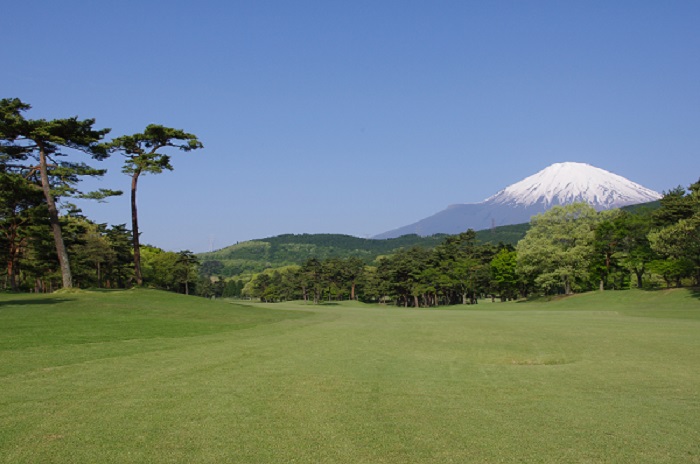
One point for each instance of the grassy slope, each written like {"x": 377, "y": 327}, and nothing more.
{"x": 151, "y": 377}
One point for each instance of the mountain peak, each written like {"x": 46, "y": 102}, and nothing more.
{"x": 569, "y": 182}
{"x": 558, "y": 184}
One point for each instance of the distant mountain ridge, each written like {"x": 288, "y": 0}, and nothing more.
{"x": 558, "y": 184}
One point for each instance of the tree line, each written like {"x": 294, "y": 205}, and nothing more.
{"x": 46, "y": 243}
{"x": 44, "y": 240}
{"x": 568, "y": 249}
{"x": 457, "y": 271}
{"x": 251, "y": 257}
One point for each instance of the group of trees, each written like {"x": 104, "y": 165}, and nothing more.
{"x": 574, "y": 248}
{"x": 40, "y": 170}
{"x": 675, "y": 238}
{"x": 568, "y": 249}
{"x": 46, "y": 243}
{"x": 456, "y": 271}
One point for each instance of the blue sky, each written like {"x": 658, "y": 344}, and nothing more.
{"x": 360, "y": 117}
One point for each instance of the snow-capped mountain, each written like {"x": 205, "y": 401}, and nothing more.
{"x": 565, "y": 183}
{"x": 558, "y": 184}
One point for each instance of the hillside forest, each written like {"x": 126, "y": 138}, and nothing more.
{"x": 46, "y": 243}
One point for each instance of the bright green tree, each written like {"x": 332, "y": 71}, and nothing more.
{"x": 504, "y": 273}
{"x": 143, "y": 153}
{"x": 558, "y": 248}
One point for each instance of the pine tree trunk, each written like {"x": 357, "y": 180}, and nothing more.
{"x": 12, "y": 259}
{"x": 11, "y": 277}
{"x": 54, "y": 221}
{"x": 135, "y": 228}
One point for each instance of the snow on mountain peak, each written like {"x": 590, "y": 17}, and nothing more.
{"x": 565, "y": 183}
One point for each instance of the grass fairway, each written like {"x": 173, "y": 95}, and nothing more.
{"x": 145, "y": 376}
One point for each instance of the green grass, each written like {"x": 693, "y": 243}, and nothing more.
{"x": 145, "y": 376}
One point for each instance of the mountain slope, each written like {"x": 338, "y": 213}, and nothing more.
{"x": 558, "y": 184}
{"x": 566, "y": 183}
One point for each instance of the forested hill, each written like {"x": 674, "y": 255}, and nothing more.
{"x": 256, "y": 255}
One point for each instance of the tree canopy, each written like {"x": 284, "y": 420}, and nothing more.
{"x": 143, "y": 156}
{"x": 39, "y": 149}
{"x": 557, "y": 250}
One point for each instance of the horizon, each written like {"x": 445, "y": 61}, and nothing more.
{"x": 358, "y": 119}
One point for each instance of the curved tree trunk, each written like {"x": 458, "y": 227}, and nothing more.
{"x": 55, "y": 224}
{"x": 135, "y": 228}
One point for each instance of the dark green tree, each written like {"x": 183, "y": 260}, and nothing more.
{"x": 369, "y": 285}
{"x": 37, "y": 148}
{"x": 211, "y": 268}
{"x": 312, "y": 279}
{"x": 680, "y": 240}
{"x": 352, "y": 273}
{"x": 675, "y": 205}
{"x": 90, "y": 254}
{"x": 403, "y": 274}
{"x": 186, "y": 269}
{"x": 610, "y": 234}
{"x": 21, "y": 204}
{"x": 120, "y": 270}
{"x": 143, "y": 156}
{"x": 232, "y": 288}
{"x": 333, "y": 275}
{"x": 635, "y": 252}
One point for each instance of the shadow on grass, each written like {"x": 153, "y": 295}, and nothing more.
{"x": 695, "y": 292}
{"x": 37, "y": 301}
{"x": 546, "y": 298}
